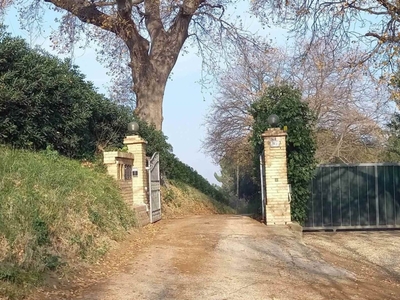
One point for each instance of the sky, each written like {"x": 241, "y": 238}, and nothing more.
{"x": 186, "y": 103}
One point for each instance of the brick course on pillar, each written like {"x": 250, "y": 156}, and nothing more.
{"x": 276, "y": 182}
{"x": 137, "y": 147}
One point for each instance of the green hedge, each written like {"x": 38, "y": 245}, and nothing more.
{"x": 47, "y": 102}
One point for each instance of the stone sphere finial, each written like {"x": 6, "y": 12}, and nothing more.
{"x": 133, "y": 127}
{"x": 273, "y": 120}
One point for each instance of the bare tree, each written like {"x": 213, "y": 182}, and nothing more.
{"x": 229, "y": 122}
{"x": 350, "y": 103}
{"x": 4, "y": 4}
{"x": 371, "y": 24}
{"x": 143, "y": 37}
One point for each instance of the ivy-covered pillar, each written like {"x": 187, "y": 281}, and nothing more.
{"x": 276, "y": 181}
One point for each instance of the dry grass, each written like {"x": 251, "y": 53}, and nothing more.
{"x": 179, "y": 199}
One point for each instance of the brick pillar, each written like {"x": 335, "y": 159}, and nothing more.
{"x": 276, "y": 182}
{"x": 137, "y": 147}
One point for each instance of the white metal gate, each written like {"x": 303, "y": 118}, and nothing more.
{"x": 154, "y": 188}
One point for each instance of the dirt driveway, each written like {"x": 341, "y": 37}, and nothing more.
{"x": 235, "y": 257}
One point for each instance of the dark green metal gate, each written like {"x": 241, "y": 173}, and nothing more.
{"x": 355, "y": 196}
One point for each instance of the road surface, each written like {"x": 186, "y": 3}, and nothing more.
{"x": 235, "y": 257}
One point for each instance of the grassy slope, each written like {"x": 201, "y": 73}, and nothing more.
{"x": 53, "y": 211}
{"x": 179, "y": 199}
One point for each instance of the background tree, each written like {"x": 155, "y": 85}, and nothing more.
{"x": 285, "y": 101}
{"x": 392, "y": 147}
{"x": 350, "y": 104}
{"x": 141, "y": 37}
{"x": 229, "y": 122}
{"x": 373, "y": 25}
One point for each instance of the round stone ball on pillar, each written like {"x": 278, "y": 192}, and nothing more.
{"x": 133, "y": 127}
{"x": 273, "y": 120}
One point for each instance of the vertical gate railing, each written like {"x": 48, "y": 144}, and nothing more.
{"x": 154, "y": 188}
{"x": 355, "y": 196}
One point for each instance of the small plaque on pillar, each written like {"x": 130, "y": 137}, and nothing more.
{"x": 274, "y": 143}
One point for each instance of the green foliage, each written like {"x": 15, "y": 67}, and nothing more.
{"x": 171, "y": 166}
{"x": 285, "y": 102}
{"x": 392, "y": 150}
{"x": 53, "y": 209}
{"x": 46, "y": 102}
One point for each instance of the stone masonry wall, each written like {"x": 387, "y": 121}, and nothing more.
{"x": 126, "y": 191}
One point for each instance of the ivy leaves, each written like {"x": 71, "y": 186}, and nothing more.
{"x": 285, "y": 102}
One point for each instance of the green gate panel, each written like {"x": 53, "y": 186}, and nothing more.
{"x": 355, "y": 196}
{"x": 326, "y": 197}
{"x": 389, "y": 195}
{"x": 363, "y": 206}
{"x": 382, "y": 194}
{"x": 317, "y": 199}
{"x": 335, "y": 192}
{"x": 396, "y": 182}
{"x": 345, "y": 195}
{"x": 371, "y": 195}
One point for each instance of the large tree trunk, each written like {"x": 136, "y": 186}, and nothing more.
{"x": 149, "y": 100}
{"x": 153, "y": 57}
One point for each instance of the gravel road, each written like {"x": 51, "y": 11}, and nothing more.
{"x": 235, "y": 257}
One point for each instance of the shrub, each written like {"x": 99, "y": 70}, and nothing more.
{"x": 47, "y": 102}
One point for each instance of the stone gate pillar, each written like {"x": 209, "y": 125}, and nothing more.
{"x": 137, "y": 147}
{"x": 276, "y": 182}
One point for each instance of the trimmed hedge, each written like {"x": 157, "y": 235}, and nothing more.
{"x": 46, "y": 102}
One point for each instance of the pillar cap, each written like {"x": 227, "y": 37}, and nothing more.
{"x": 134, "y": 139}
{"x": 274, "y": 132}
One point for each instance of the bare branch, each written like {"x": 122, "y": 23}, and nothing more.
{"x": 153, "y": 18}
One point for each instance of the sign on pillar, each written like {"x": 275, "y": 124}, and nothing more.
{"x": 276, "y": 182}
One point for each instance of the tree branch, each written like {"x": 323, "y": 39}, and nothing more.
{"x": 104, "y": 3}
{"x": 125, "y": 9}
{"x": 87, "y": 13}
{"x": 152, "y": 15}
